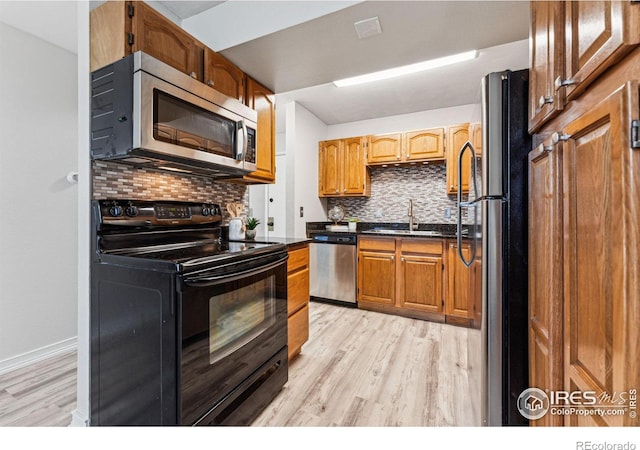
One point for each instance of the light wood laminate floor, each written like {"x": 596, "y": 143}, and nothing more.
{"x": 359, "y": 368}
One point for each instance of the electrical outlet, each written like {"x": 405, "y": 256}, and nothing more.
{"x": 447, "y": 213}
{"x": 379, "y": 213}
{"x": 302, "y": 211}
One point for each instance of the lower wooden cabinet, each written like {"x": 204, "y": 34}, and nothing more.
{"x": 297, "y": 298}
{"x": 387, "y": 277}
{"x": 418, "y": 278}
{"x": 462, "y": 297}
{"x": 545, "y": 274}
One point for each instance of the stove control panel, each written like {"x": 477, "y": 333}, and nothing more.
{"x": 160, "y": 213}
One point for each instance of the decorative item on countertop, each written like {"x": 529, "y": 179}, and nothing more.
{"x": 353, "y": 224}
{"x": 336, "y": 214}
{"x": 251, "y": 224}
{"x": 236, "y": 224}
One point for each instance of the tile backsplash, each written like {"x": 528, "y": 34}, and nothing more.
{"x": 391, "y": 189}
{"x": 113, "y": 180}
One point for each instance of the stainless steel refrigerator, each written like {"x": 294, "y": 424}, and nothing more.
{"x": 495, "y": 210}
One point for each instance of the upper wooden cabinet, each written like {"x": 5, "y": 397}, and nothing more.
{"x": 598, "y": 34}
{"x": 572, "y": 43}
{"x": 329, "y": 168}
{"x": 342, "y": 168}
{"x": 223, "y": 76}
{"x": 475, "y": 136}
{"x": 385, "y": 148}
{"x": 262, "y": 100}
{"x": 412, "y": 146}
{"x": 424, "y": 145}
{"x": 457, "y": 136}
{"x": 546, "y": 61}
{"x": 121, "y": 28}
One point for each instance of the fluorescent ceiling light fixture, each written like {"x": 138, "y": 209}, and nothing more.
{"x": 406, "y": 70}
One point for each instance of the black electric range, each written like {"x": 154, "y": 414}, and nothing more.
{"x": 186, "y": 328}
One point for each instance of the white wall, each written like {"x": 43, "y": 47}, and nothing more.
{"x": 407, "y": 122}
{"x": 38, "y": 224}
{"x": 303, "y": 131}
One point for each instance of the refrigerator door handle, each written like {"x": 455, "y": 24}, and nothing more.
{"x": 473, "y": 203}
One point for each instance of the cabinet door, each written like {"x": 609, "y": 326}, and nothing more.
{"x": 599, "y": 33}
{"x": 459, "y": 301}
{"x": 223, "y": 76}
{"x": 475, "y": 136}
{"x": 601, "y": 251}
{"x": 385, "y": 148}
{"x": 546, "y": 62}
{"x": 377, "y": 277}
{"x": 263, "y": 101}
{"x": 330, "y": 167}
{"x": 457, "y": 136}
{"x": 355, "y": 166}
{"x": 421, "y": 283}
{"x": 158, "y": 36}
{"x": 425, "y": 145}
{"x": 545, "y": 274}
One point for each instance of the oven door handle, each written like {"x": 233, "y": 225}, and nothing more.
{"x": 226, "y": 278}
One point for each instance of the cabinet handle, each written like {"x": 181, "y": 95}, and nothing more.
{"x": 193, "y": 75}
{"x": 392, "y": 258}
{"x": 344, "y": 191}
{"x": 557, "y": 137}
{"x": 559, "y": 82}
{"x": 210, "y": 83}
{"x": 337, "y": 191}
{"x": 402, "y": 260}
{"x": 544, "y": 100}
{"x": 545, "y": 148}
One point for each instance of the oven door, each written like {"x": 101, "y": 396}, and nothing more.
{"x": 233, "y": 321}
{"x": 175, "y": 124}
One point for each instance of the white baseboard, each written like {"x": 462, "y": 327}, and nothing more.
{"x": 39, "y": 354}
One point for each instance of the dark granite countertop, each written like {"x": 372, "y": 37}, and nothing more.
{"x": 436, "y": 230}
{"x": 288, "y": 241}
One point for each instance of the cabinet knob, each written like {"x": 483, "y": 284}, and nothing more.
{"x": 337, "y": 191}
{"x": 402, "y": 260}
{"x": 397, "y": 156}
{"x": 557, "y": 137}
{"x": 544, "y": 100}
{"x": 193, "y": 75}
{"x": 392, "y": 258}
{"x": 559, "y": 82}
{"x": 344, "y": 191}
{"x": 210, "y": 83}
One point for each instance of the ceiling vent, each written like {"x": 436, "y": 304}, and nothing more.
{"x": 368, "y": 27}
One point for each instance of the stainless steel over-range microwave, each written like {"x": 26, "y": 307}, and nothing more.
{"x": 145, "y": 112}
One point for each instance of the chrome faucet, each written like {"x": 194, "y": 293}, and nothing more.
{"x": 412, "y": 225}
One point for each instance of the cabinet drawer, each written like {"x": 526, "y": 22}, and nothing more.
{"x": 298, "y": 331}
{"x": 297, "y": 290}
{"x": 433, "y": 247}
{"x": 297, "y": 259}
{"x": 380, "y": 244}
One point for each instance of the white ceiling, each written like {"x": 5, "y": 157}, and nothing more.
{"x": 302, "y": 46}
{"x": 299, "y": 62}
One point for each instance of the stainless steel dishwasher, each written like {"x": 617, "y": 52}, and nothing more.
{"x": 333, "y": 267}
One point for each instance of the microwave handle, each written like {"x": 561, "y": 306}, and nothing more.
{"x": 245, "y": 144}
